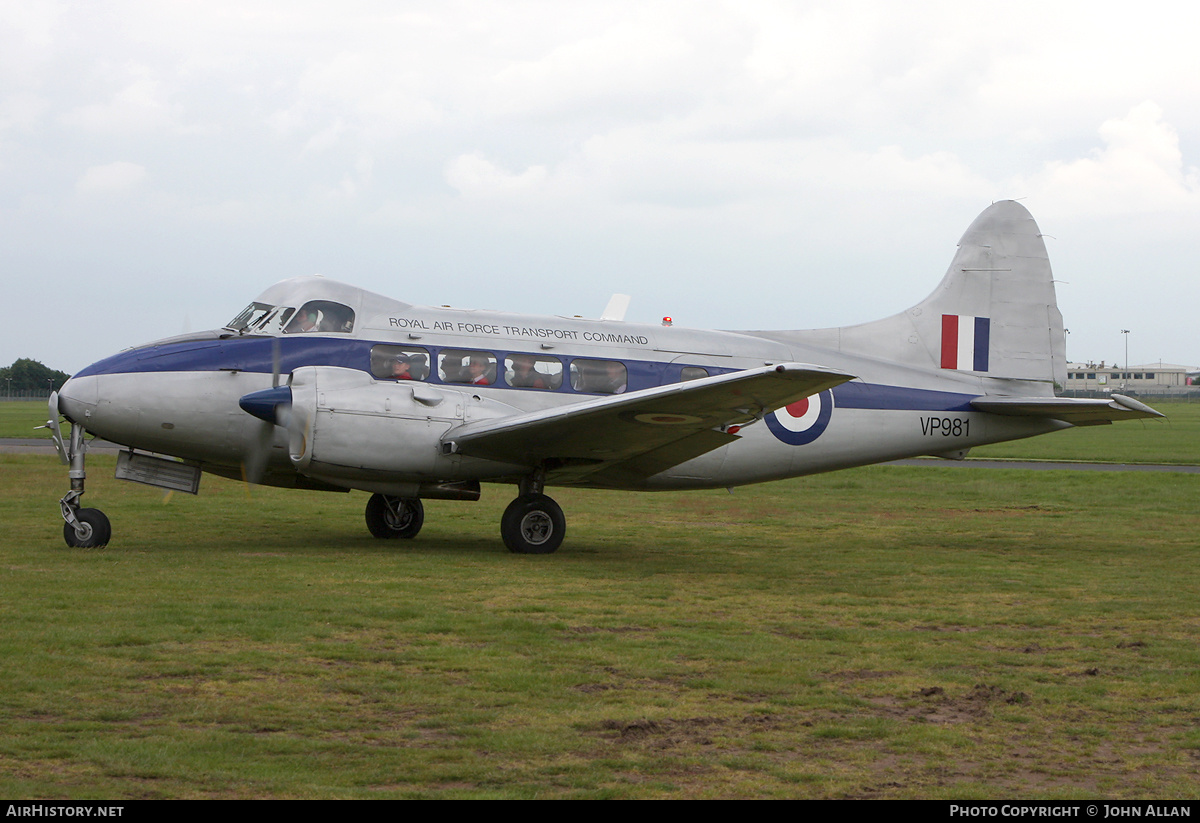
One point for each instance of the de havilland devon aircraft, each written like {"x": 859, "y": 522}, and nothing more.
{"x": 319, "y": 385}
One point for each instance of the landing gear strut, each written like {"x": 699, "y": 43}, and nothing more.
{"x": 392, "y": 517}
{"x": 84, "y": 528}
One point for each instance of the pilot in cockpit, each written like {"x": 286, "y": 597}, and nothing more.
{"x": 305, "y": 320}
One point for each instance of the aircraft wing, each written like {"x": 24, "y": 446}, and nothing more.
{"x": 644, "y": 432}
{"x": 1076, "y": 411}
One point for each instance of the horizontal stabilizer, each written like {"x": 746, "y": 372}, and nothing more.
{"x": 674, "y": 423}
{"x": 1076, "y": 411}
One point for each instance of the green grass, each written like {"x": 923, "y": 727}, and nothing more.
{"x": 883, "y": 632}
{"x": 18, "y": 418}
{"x": 1173, "y": 440}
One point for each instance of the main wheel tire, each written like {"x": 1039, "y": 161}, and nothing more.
{"x": 394, "y": 517}
{"x": 533, "y": 524}
{"x": 97, "y": 531}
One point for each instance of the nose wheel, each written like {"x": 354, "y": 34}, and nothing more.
{"x": 91, "y": 530}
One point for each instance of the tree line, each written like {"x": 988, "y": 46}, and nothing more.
{"x": 26, "y": 375}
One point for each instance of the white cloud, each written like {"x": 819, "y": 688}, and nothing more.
{"x": 22, "y": 111}
{"x": 476, "y": 177}
{"x": 1139, "y": 169}
{"x": 140, "y": 104}
{"x": 111, "y": 178}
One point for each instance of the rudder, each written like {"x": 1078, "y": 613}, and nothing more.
{"x": 994, "y": 314}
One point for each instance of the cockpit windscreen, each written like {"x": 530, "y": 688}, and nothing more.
{"x": 313, "y": 316}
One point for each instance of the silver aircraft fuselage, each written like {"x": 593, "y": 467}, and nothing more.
{"x": 180, "y": 396}
{"x": 321, "y": 385}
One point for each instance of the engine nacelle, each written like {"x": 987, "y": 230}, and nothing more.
{"x": 349, "y": 429}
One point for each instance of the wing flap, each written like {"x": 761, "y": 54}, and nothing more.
{"x": 639, "y": 429}
{"x": 1077, "y": 411}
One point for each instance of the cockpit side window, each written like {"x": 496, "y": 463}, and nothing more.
{"x": 322, "y": 316}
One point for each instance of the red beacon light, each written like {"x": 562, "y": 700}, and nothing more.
{"x": 668, "y": 321}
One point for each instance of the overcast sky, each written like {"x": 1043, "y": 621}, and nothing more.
{"x": 732, "y": 164}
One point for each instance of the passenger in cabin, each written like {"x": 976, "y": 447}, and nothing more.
{"x": 524, "y": 376}
{"x": 402, "y": 368}
{"x": 418, "y": 366}
{"x": 454, "y": 368}
{"x": 600, "y": 376}
{"x": 477, "y": 370}
{"x": 615, "y": 377}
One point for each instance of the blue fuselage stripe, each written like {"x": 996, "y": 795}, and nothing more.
{"x": 899, "y": 398}
{"x": 257, "y": 354}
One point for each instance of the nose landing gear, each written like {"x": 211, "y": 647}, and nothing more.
{"x": 84, "y": 528}
{"x": 90, "y": 529}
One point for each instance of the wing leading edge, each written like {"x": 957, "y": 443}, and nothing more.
{"x": 636, "y": 435}
{"x": 1076, "y": 411}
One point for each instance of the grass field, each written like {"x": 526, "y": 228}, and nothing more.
{"x": 882, "y": 632}
{"x": 1173, "y": 440}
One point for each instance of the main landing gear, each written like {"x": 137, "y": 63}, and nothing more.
{"x": 84, "y": 528}
{"x": 394, "y": 517}
{"x": 532, "y": 524}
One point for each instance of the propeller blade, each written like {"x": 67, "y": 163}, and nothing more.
{"x": 258, "y": 453}
{"x": 273, "y": 407}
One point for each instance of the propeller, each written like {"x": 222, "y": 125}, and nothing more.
{"x": 273, "y": 407}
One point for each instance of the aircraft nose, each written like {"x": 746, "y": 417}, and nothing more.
{"x": 77, "y": 398}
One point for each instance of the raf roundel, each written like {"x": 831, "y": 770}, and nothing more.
{"x": 804, "y": 421}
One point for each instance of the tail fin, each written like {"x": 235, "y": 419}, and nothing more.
{"x": 994, "y": 314}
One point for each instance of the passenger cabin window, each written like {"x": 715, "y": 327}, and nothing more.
{"x": 692, "y": 373}
{"x": 528, "y": 371}
{"x": 467, "y": 366}
{"x": 599, "y": 376}
{"x": 400, "y": 363}
{"x": 322, "y": 316}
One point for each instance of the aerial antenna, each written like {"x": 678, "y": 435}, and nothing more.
{"x": 618, "y": 304}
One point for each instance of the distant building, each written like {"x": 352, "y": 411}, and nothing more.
{"x": 1153, "y": 378}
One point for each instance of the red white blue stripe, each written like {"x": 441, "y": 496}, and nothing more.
{"x": 965, "y": 342}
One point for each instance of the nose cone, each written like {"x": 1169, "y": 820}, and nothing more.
{"x": 77, "y": 398}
